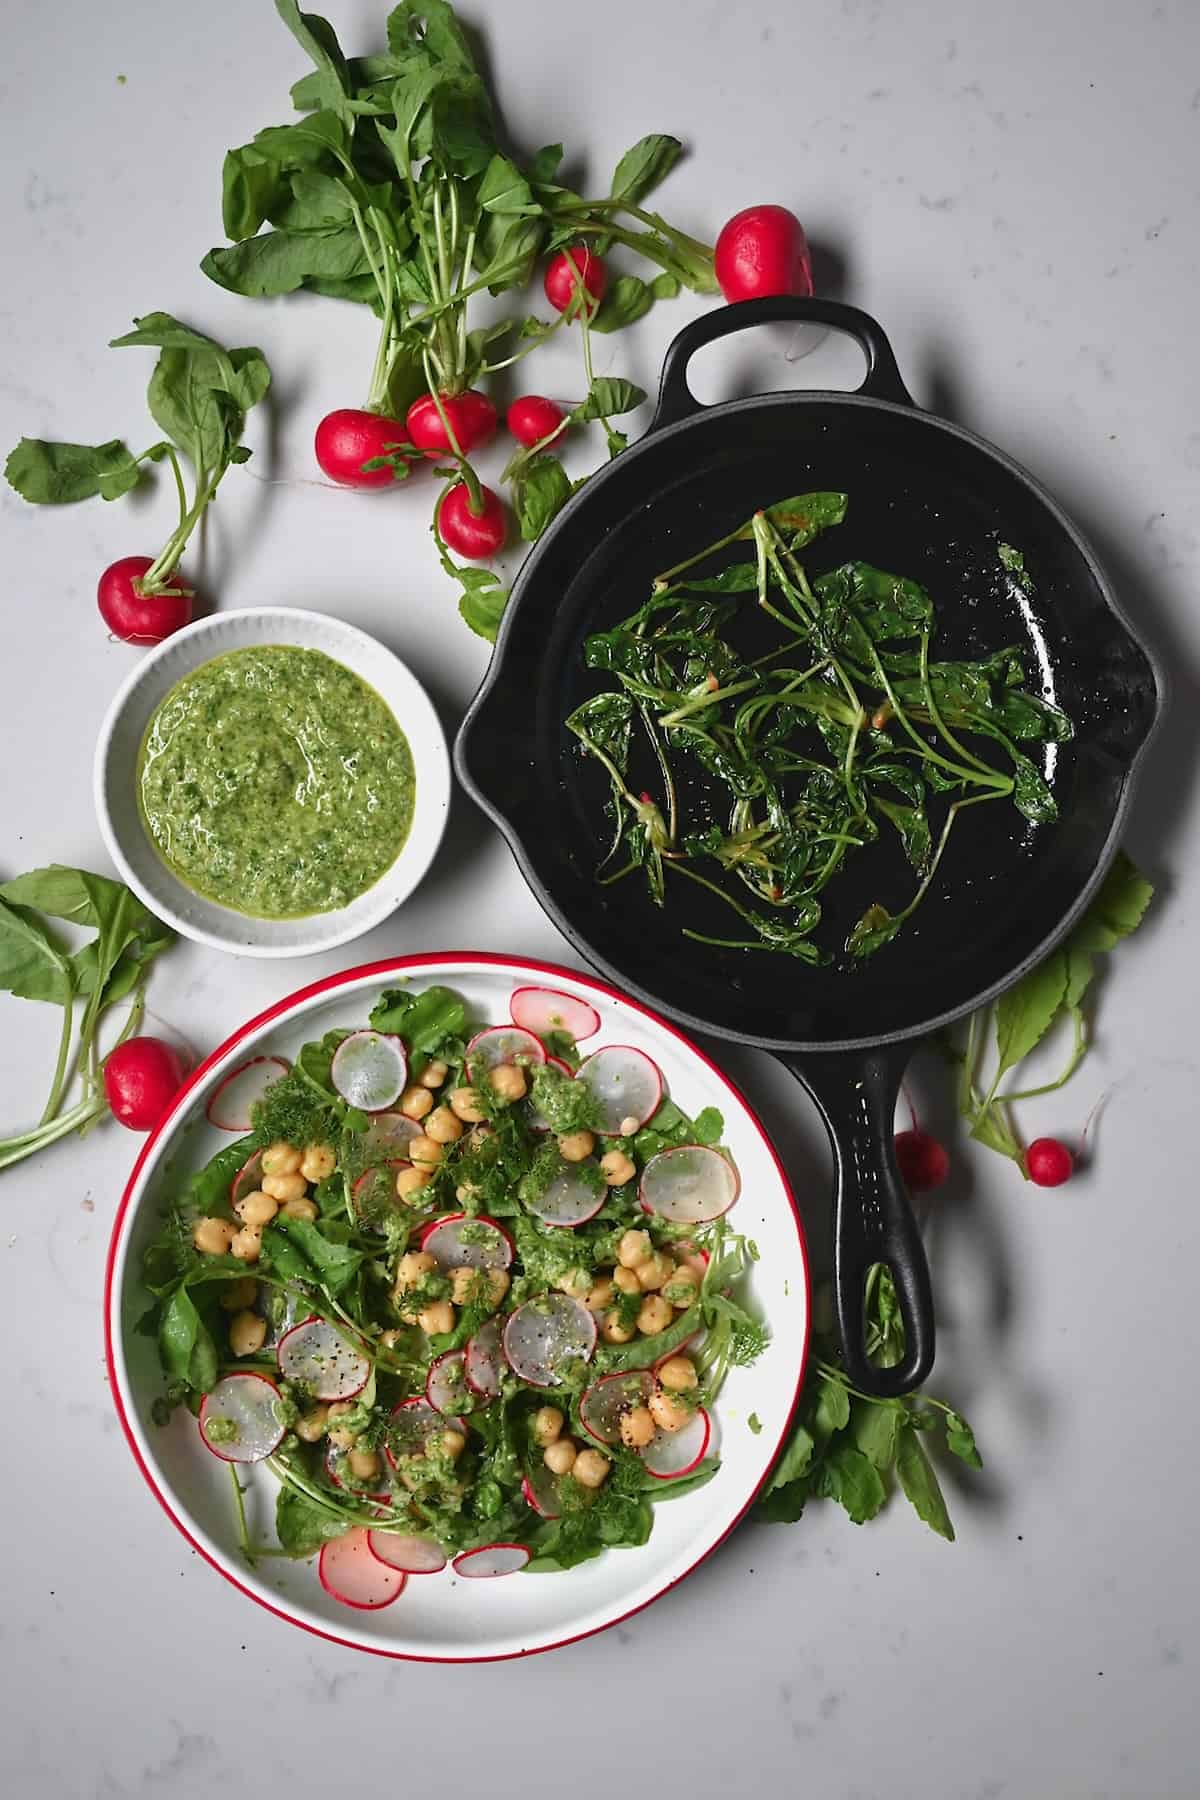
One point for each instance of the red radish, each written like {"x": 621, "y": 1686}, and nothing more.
{"x": 247, "y": 1179}
{"x": 570, "y": 1199}
{"x": 628, "y": 1086}
{"x": 690, "y": 1185}
{"x": 545, "y": 1336}
{"x": 762, "y": 250}
{"x": 229, "y": 1107}
{"x": 314, "y": 1353}
{"x": 446, "y": 1384}
{"x": 350, "y": 437}
{"x": 602, "y": 1404}
{"x": 505, "y": 1044}
{"x": 567, "y": 271}
{"x": 475, "y": 535}
{"x": 681, "y": 1349}
{"x": 375, "y": 1190}
{"x": 483, "y": 1366}
{"x": 135, "y": 617}
{"x": 353, "y": 1574}
{"x": 392, "y": 1132}
{"x": 670, "y": 1454}
{"x": 923, "y": 1162}
{"x": 540, "y": 1492}
{"x": 556, "y": 1062}
{"x": 542, "y": 1010}
{"x": 533, "y": 419}
{"x": 458, "y": 1241}
{"x": 414, "y": 1423}
{"x": 412, "y": 1555}
{"x": 369, "y": 1070}
{"x": 1049, "y": 1163}
{"x": 471, "y": 417}
{"x": 141, "y": 1078}
{"x": 240, "y": 1412}
{"x": 492, "y": 1559}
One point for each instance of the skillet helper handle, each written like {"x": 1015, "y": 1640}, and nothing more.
{"x": 882, "y": 380}
{"x": 873, "y": 1219}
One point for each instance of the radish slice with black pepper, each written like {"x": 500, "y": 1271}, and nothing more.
{"x": 369, "y": 1070}
{"x": 391, "y": 1133}
{"x": 230, "y": 1106}
{"x": 375, "y": 1192}
{"x": 545, "y": 1336}
{"x": 601, "y": 1405}
{"x": 320, "y": 1357}
{"x": 543, "y": 1010}
{"x": 414, "y": 1423}
{"x": 571, "y": 1198}
{"x": 239, "y": 1421}
{"x": 462, "y": 1242}
{"x": 247, "y": 1179}
{"x": 670, "y": 1454}
{"x": 353, "y": 1574}
{"x": 446, "y": 1383}
{"x": 412, "y": 1555}
{"x": 540, "y": 1491}
{"x": 483, "y": 1361}
{"x": 491, "y": 1560}
{"x": 504, "y": 1044}
{"x": 689, "y": 1185}
{"x": 628, "y": 1086}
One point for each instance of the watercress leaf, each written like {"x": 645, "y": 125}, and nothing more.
{"x": 960, "y": 1440}
{"x": 850, "y": 1478}
{"x": 1026, "y": 1012}
{"x": 875, "y": 1426}
{"x": 628, "y": 298}
{"x": 607, "y": 395}
{"x": 642, "y": 168}
{"x": 709, "y": 1126}
{"x": 301, "y": 1525}
{"x": 185, "y": 1343}
{"x": 51, "y": 474}
{"x": 423, "y": 1020}
{"x": 540, "y": 489}
{"x": 916, "y": 1476}
{"x": 331, "y": 1265}
{"x": 33, "y": 966}
{"x": 280, "y": 262}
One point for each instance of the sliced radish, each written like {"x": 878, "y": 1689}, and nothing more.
{"x": 369, "y": 1070}
{"x": 353, "y": 1574}
{"x": 504, "y": 1044}
{"x": 338, "y": 1471}
{"x": 601, "y": 1405}
{"x": 392, "y": 1133}
{"x": 628, "y": 1086}
{"x": 244, "y": 1404}
{"x": 229, "y": 1107}
{"x": 446, "y": 1383}
{"x": 414, "y": 1423}
{"x": 556, "y": 1062}
{"x": 317, "y": 1355}
{"x": 681, "y": 1349}
{"x": 541, "y": 1010}
{"x": 690, "y": 1185}
{"x": 571, "y": 1199}
{"x": 248, "y": 1177}
{"x": 670, "y": 1454}
{"x": 493, "y": 1559}
{"x": 375, "y": 1191}
{"x": 540, "y": 1491}
{"x": 461, "y": 1242}
{"x": 544, "y": 1336}
{"x": 483, "y": 1365}
{"x": 412, "y": 1555}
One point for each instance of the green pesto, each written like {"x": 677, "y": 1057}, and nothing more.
{"x": 276, "y": 782}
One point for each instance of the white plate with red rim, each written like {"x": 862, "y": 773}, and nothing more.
{"x": 443, "y": 1617}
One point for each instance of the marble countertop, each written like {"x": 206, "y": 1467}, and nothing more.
{"x": 1013, "y": 192}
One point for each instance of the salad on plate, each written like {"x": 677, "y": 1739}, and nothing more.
{"x": 467, "y": 1291}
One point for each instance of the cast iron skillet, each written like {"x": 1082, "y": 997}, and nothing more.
{"x": 928, "y": 500}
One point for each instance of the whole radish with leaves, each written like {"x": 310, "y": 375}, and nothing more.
{"x": 199, "y": 396}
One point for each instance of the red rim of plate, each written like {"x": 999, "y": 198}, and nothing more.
{"x": 365, "y": 971}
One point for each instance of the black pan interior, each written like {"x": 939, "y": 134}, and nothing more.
{"x": 926, "y": 500}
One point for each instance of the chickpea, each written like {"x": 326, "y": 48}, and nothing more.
{"x": 470, "y": 1287}
{"x": 464, "y": 1104}
{"x": 627, "y": 1281}
{"x": 341, "y": 1436}
{"x": 435, "y": 1073}
{"x": 212, "y": 1237}
{"x": 508, "y": 1082}
{"x": 590, "y": 1469}
{"x": 630, "y": 1126}
{"x": 477, "y": 1135}
{"x": 247, "y": 1333}
{"x": 416, "y": 1101}
{"x": 280, "y": 1159}
{"x": 617, "y": 1168}
{"x": 637, "y": 1427}
{"x": 364, "y": 1464}
{"x": 466, "y": 1190}
{"x": 300, "y": 1209}
{"x": 247, "y": 1243}
{"x": 285, "y": 1187}
{"x": 678, "y": 1375}
{"x": 574, "y": 1146}
{"x": 318, "y": 1163}
{"x": 682, "y": 1286}
{"x": 424, "y": 1152}
{"x": 634, "y": 1248}
{"x": 561, "y": 1456}
{"x": 443, "y": 1127}
{"x": 655, "y": 1315}
{"x": 547, "y": 1425}
{"x": 656, "y": 1271}
{"x": 668, "y": 1413}
{"x": 576, "y": 1282}
{"x": 600, "y": 1296}
{"x": 388, "y": 1340}
{"x": 256, "y": 1208}
{"x": 409, "y": 1183}
{"x": 313, "y": 1425}
{"x": 437, "y": 1318}
{"x": 412, "y": 1268}
{"x": 615, "y": 1331}
{"x": 452, "y": 1444}
{"x": 238, "y": 1295}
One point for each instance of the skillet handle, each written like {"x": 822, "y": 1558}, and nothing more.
{"x": 882, "y": 381}
{"x": 873, "y": 1220}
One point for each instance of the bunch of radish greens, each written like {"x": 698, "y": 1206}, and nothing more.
{"x": 394, "y": 192}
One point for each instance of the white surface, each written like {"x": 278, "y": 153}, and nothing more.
{"x": 115, "y": 780}
{"x": 1012, "y": 190}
